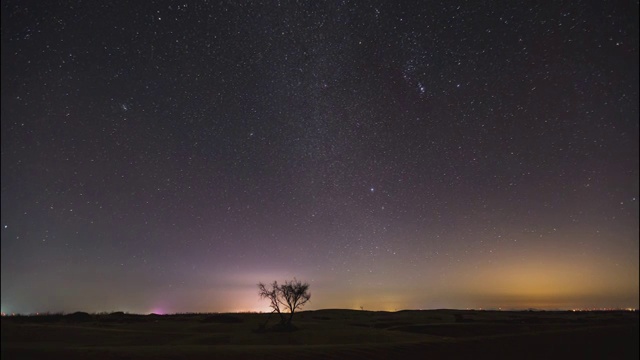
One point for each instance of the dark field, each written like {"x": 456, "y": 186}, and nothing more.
{"x": 326, "y": 334}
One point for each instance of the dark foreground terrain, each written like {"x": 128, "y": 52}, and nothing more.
{"x": 326, "y": 334}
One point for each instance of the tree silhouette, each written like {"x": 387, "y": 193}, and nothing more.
{"x": 295, "y": 294}
{"x": 272, "y": 294}
{"x": 285, "y": 299}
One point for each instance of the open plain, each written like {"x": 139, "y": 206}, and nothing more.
{"x": 326, "y": 334}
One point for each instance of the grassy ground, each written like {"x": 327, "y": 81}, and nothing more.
{"x": 326, "y": 334}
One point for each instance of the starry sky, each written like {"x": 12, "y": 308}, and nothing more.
{"x": 162, "y": 156}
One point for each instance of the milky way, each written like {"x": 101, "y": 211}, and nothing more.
{"x": 168, "y": 156}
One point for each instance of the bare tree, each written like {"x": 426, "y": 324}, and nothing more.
{"x": 287, "y": 298}
{"x": 273, "y": 294}
{"x": 295, "y": 295}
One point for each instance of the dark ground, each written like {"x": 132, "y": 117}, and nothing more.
{"x": 322, "y": 334}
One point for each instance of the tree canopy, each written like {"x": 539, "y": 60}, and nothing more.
{"x": 285, "y": 299}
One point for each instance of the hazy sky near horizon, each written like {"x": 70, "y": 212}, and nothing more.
{"x": 163, "y": 156}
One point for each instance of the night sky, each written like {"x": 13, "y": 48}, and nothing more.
{"x": 167, "y": 156}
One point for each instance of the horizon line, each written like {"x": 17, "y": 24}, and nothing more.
{"x": 52, "y": 313}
